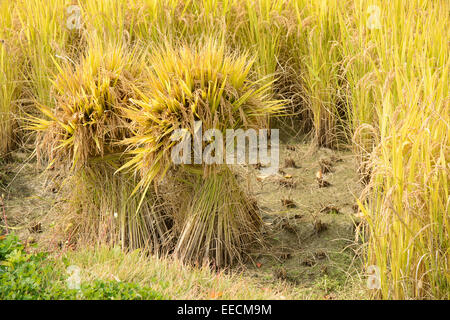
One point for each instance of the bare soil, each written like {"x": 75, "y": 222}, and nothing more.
{"x": 311, "y": 227}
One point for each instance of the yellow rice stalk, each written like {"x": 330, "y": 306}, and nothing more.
{"x": 404, "y": 98}
{"x": 43, "y": 35}
{"x": 10, "y": 79}
{"x": 86, "y": 121}
{"x": 100, "y": 210}
{"x": 221, "y": 222}
{"x": 81, "y": 133}
{"x": 204, "y": 83}
{"x": 200, "y": 83}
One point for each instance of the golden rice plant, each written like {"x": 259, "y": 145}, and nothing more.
{"x": 408, "y": 207}
{"x": 89, "y": 97}
{"x": 10, "y": 78}
{"x": 208, "y": 84}
{"x": 205, "y": 84}
{"x": 260, "y": 28}
{"x": 389, "y": 86}
{"x": 80, "y": 134}
{"x": 43, "y": 35}
{"x": 319, "y": 59}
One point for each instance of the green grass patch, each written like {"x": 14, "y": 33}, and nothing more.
{"x": 32, "y": 276}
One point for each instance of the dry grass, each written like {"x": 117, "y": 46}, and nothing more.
{"x": 169, "y": 277}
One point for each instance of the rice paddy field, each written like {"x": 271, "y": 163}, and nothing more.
{"x": 92, "y": 205}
